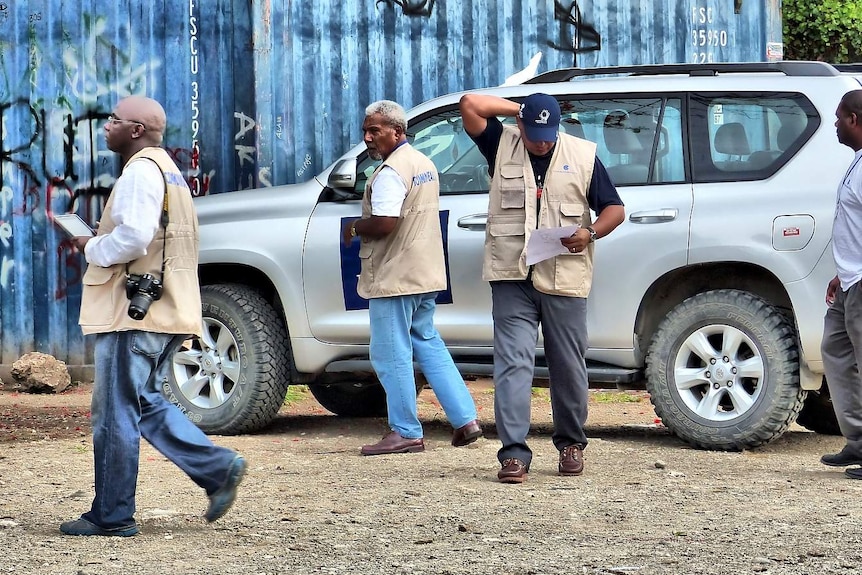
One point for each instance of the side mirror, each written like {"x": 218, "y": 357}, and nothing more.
{"x": 343, "y": 174}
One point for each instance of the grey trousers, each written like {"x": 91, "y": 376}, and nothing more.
{"x": 518, "y": 309}
{"x": 842, "y": 356}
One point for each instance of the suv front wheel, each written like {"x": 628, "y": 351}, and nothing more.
{"x": 233, "y": 379}
{"x": 722, "y": 371}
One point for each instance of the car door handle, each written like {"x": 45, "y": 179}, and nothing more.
{"x": 654, "y": 216}
{"x": 474, "y": 222}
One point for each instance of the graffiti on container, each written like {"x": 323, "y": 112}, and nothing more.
{"x": 412, "y": 7}
{"x": 4, "y": 12}
{"x": 245, "y": 150}
{"x": 198, "y": 183}
{"x": 579, "y": 36}
{"x": 84, "y": 73}
{"x": 306, "y": 163}
{"x": 188, "y": 161}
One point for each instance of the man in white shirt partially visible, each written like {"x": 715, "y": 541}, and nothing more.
{"x": 842, "y": 332}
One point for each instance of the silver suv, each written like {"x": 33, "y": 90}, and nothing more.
{"x": 711, "y": 294}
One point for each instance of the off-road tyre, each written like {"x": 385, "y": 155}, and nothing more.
{"x": 235, "y": 378}
{"x": 354, "y": 395}
{"x": 364, "y": 397}
{"x": 818, "y": 413}
{"x": 759, "y": 342}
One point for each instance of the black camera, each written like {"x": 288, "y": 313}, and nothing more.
{"x": 142, "y": 291}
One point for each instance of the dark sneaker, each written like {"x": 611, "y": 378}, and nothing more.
{"x": 571, "y": 460}
{"x": 843, "y": 458}
{"x": 221, "y": 500}
{"x": 83, "y": 527}
{"x": 854, "y": 473}
{"x": 513, "y": 471}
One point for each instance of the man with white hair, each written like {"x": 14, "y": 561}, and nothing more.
{"x": 403, "y": 268}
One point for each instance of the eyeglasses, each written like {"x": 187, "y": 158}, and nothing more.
{"x": 114, "y": 120}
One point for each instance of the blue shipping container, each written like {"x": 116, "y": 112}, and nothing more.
{"x": 269, "y": 92}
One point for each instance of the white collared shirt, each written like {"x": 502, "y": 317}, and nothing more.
{"x": 847, "y": 229}
{"x": 136, "y": 211}
{"x": 388, "y": 193}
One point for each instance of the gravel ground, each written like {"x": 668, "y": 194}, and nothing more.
{"x": 646, "y": 504}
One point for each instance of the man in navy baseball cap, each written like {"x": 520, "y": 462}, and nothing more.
{"x": 539, "y": 117}
{"x": 538, "y": 181}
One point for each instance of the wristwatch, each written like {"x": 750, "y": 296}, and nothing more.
{"x": 592, "y": 233}
{"x": 353, "y": 229}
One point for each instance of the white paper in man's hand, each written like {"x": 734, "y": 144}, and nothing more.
{"x": 545, "y": 243}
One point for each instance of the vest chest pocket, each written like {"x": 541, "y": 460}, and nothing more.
{"x": 507, "y": 243}
{"x": 572, "y": 214}
{"x": 512, "y": 187}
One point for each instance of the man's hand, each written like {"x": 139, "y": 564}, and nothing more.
{"x": 80, "y": 242}
{"x": 346, "y": 233}
{"x": 578, "y": 241}
{"x": 831, "y": 289}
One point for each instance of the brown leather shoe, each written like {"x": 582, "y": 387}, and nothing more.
{"x": 571, "y": 460}
{"x": 466, "y": 434}
{"x": 392, "y": 442}
{"x": 513, "y": 471}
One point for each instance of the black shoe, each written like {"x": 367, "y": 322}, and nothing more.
{"x": 843, "y": 458}
{"x": 221, "y": 500}
{"x": 83, "y": 527}
{"x": 854, "y": 473}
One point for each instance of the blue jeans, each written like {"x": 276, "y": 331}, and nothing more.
{"x": 127, "y": 404}
{"x": 402, "y": 328}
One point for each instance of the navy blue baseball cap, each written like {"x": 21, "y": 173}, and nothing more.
{"x": 540, "y": 117}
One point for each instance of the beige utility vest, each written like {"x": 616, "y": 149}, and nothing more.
{"x": 104, "y": 305}
{"x": 512, "y": 214}
{"x": 409, "y": 260}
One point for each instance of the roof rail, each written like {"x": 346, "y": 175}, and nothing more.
{"x": 852, "y": 67}
{"x": 788, "y": 67}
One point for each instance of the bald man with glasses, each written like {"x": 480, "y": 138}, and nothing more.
{"x": 141, "y": 301}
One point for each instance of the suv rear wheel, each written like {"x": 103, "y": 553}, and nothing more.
{"x": 351, "y": 396}
{"x": 354, "y": 395}
{"x": 818, "y": 414}
{"x": 722, "y": 371}
{"x": 232, "y": 380}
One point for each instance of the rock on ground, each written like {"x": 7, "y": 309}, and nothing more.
{"x": 37, "y": 372}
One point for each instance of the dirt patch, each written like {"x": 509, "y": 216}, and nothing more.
{"x": 647, "y": 503}
{"x": 36, "y": 416}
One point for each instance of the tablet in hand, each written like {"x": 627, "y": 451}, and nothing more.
{"x": 73, "y": 225}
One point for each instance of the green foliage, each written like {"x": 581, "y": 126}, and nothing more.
{"x": 295, "y": 394}
{"x": 615, "y": 397}
{"x": 827, "y": 30}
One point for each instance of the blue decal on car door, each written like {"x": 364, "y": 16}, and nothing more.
{"x": 350, "y": 267}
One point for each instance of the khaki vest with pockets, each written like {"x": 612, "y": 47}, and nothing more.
{"x": 409, "y": 260}
{"x": 512, "y": 214}
{"x": 104, "y": 305}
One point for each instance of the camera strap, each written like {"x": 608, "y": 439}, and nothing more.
{"x": 163, "y": 222}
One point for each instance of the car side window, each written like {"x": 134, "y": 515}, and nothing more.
{"x": 639, "y": 140}
{"x": 461, "y": 167}
{"x": 747, "y": 136}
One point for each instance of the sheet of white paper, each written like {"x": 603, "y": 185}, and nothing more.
{"x": 545, "y": 243}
